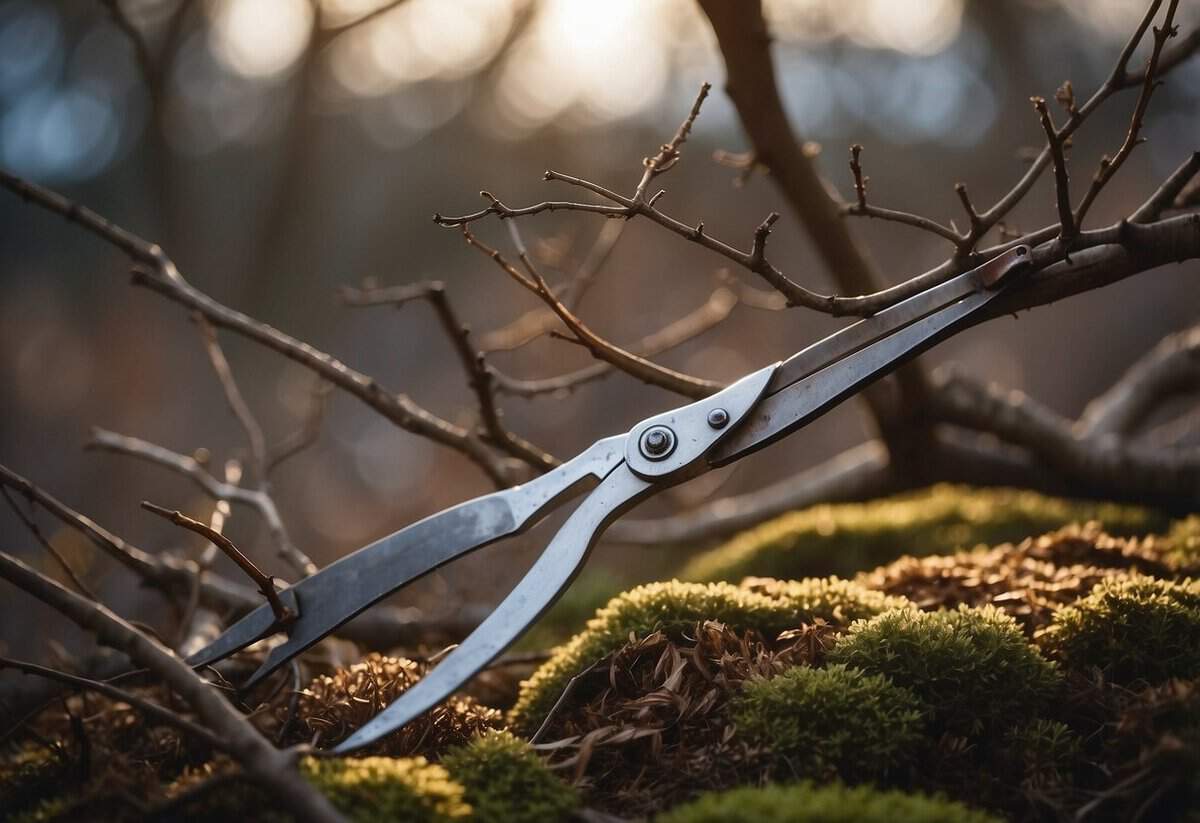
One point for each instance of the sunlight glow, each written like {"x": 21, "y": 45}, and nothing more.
{"x": 260, "y": 38}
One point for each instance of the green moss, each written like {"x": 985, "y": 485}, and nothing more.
{"x": 1047, "y": 750}
{"x": 802, "y": 803}
{"x": 405, "y": 789}
{"x": 29, "y": 775}
{"x": 850, "y": 537}
{"x": 505, "y": 780}
{"x": 972, "y": 668}
{"x": 674, "y": 608}
{"x": 829, "y": 722}
{"x": 1183, "y": 541}
{"x": 569, "y": 614}
{"x": 829, "y": 598}
{"x": 1135, "y": 629}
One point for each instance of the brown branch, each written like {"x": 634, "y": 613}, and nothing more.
{"x": 156, "y": 272}
{"x": 533, "y": 324}
{"x": 233, "y": 396}
{"x": 1062, "y": 177}
{"x": 1168, "y": 194}
{"x": 189, "y": 467}
{"x": 1171, "y": 367}
{"x": 861, "y": 208}
{"x": 153, "y": 710}
{"x": 31, "y": 523}
{"x": 716, "y": 309}
{"x": 265, "y": 583}
{"x": 1109, "y": 167}
{"x": 600, "y": 348}
{"x": 268, "y": 766}
{"x": 669, "y": 154}
{"x": 479, "y": 377}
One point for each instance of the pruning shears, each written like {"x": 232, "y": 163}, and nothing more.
{"x": 616, "y": 473}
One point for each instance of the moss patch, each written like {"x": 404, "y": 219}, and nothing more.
{"x": 506, "y": 781}
{"x": 672, "y": 608}
{"x": 972, "y": 668}
{"x": 804, "y": 803}
{"x": 850, "y": 537}
{"x": 829, "y": 722}
{"x": 369, "y": 789}
{"x": 1136, "y": 629}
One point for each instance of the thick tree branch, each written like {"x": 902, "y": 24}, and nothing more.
{"x": 156, "y": 272}
{"x": 273, "y": 769}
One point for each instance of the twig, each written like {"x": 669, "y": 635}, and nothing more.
{"x": 189, "y": 467}
{"x": 600, "y": 348}
{"x": 233, "y": 395}
{"x": 265, "y": 583}
{"x": 668, "y": 154}
{"x": 31, "y": 524}
{"x": 716, "y": 309}
{"x": 155, "y": 711}
{"x": 1109, "y": 167}
{"x": 270, "y": 767}
{"x": 1168, "y": 194}
{"x": 479, "y": 377}
{"x": 1062, "y": 178}
{"x": 860, "y": 207}
{"x": 156, "y": 272}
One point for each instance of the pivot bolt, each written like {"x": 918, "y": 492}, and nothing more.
{"x": 657, "y": 443}
{"x": 718, "y": 418}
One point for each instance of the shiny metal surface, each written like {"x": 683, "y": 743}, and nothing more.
{"x": 353, "y": 583}
{"x": 537, "y": 591}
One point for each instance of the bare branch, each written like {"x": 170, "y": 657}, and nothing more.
{"x": 152, "y": 710}
{"x": 479, "y": 377}
{"x": 233, "y": 395}
{"x": 31, "y": 524}
{"x": 716, "y": 309}
{"x": 190, "y": 468}
{"x": 668, "y": 154}
{"x": 1109, "y": 167}
{"x": 600, "y": 348}
{"x": 1171, "y": 367}
{"x": 1169, "y": 192}
{"x": 310, "y": 428}
{"x": 861, "y": 208}
{"x": 270, "y": 767}
{"x": 159, "y": 274}
{"x": 1062, "y": 178}
{"x": 265, "y": 583}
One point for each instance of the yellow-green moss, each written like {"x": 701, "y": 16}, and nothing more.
{"x": 673, "y": 608}
{"x": 830, "y": 598}
{"x": 973, "y": 668}
{"x": 850, "y": 537}
{"x": 1184, "y": 543}
{"x": 506, "y": 781}
{"x": 29, "y": 775}
{"x": 803, "y": 803}
{"x": 1135, "y": 629}
{"x": 829, "y": 722}
{"x": 405, "y": 789}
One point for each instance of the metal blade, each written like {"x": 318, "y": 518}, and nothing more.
{"x": 843, "y": 343}
{"x": 782, "y": 413}
{"x": 537, "y": 591}
{"x": 344, "y": 588}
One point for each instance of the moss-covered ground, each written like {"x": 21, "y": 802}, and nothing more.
{"x": 981, "y": 657}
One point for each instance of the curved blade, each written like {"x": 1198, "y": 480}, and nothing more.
{"x": 537, "y": 591}
{"x": 778, "y": 415}
{"x": 351, "y": 584}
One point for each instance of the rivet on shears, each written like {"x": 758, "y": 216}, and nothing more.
{"x": 657, "y": 443}
{"x": 718, "y": 418}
